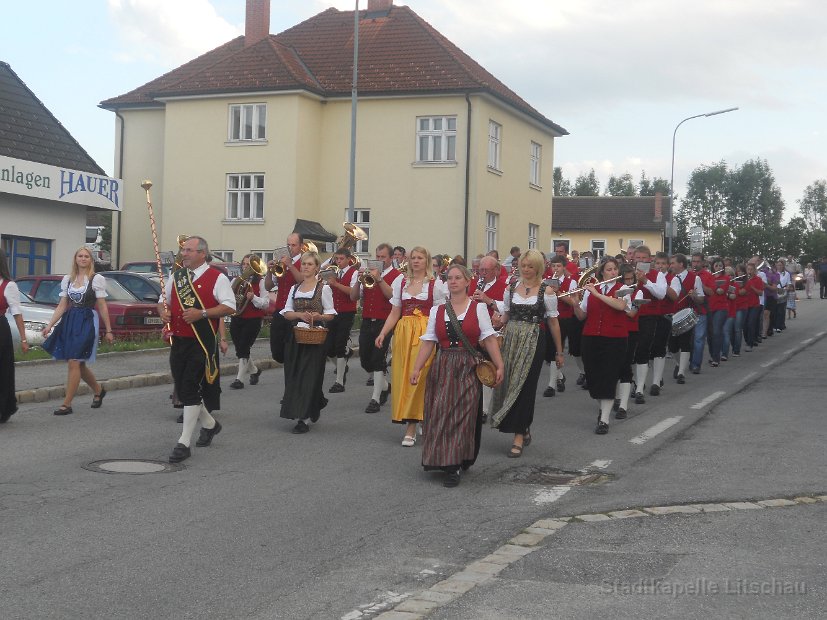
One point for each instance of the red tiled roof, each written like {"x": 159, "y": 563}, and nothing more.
{"x": 569, "y": 213}
{"x": 398, "y": 54}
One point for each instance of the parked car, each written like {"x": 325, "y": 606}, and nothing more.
{"x": 130, "y": 316}
{"x": 146, "y": 267}
{"x": 35, "y": 319}
{"x": 143, "y": 286}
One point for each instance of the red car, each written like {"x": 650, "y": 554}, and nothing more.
{"x": 130, "y": 317}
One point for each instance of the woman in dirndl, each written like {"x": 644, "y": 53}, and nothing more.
{"x": 413, "y": 297}
{"x": 453, "y": 394}
{"x": 309, "y": 303}
{"x": 9, "y": 301}
{"x": 527, "y": 312}
{"x": 75, "y": 339}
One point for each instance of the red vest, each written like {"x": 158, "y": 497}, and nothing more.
{"x": 602, "y": 320}
{"x": 496, "y": 292}
{"x": 342, "y": 302}
{"x": 424, "y": 305}
{"x": 708, "y": 280}
{"x": 716, "y": 301}
{"x": 653, "y": 308}
{"x": 563, "y": 309}
{"x": 573, "y": 269}
{"x": 286, "y": 282}
{"x": 204, "y": 287}
{"x": 374, "y": 303}
{"x": 251, "y": 312}
{"x": 684, "y": 300}
{"x": 470, "y": 326}
{"x": 4, "y": 305}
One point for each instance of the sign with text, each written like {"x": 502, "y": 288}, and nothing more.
{"x": 28, "y": 178}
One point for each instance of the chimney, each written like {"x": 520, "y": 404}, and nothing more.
{"x": 257, "y": 25}
{"x": 658, "y": 206}
{"x": 379, "y": 6}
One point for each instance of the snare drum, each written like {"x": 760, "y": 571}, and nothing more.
{"x": 683, "y": 321}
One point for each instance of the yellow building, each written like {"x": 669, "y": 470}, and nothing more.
{"x": 608, "y": 224}
{"x": 245, "y": 140}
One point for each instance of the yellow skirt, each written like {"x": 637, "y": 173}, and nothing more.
{"x": 408, "y": 401}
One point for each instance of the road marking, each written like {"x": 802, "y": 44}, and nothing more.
{"x": 657, "y": 429}
{"x": 789, "y": 351}
{"x": 808, "y": 341}
{"x": 547, "y": 496}
{"x": 769, "y": 363}
{"x": 820, "y": 334}
{"x": 601, "y": 464}
{"x": 747, "y": 377}
{"x": 709, "y": 399}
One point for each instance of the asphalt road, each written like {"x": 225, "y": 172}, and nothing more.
{"x": 342, "y": 521}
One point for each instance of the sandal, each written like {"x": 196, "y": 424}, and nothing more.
{"x": 515, "y": 452}
{"x": 409, "y": 441}
{"x": 526, "y": 440}
{"x": 62, "y": 410}
{"x": 97, "y": 400}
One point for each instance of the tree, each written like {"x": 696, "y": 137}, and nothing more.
{"x": 813, "y": 206}
{"x": 624, "y": 185}
{"x": 562, "y": 186}
{"x": 587, "y": 185}
{"x": 650, "y": 187}
{"x": 706, "y": 197}
{"x": 793, "y": 235}
{"x": 815, "y": 245}
{"x": 680, "y": 240}
{"x": 720, "y": 241}
{"x": 753, "y": 196}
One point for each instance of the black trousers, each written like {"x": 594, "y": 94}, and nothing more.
{"x": 187, "y": 362}
{"x": 339, "y": 328}
{"x": 822, "y": 285}
{"x": 682, "y": 343}
{"x": 662, "y": 331}
{"x": 602, "y": 359}
{"x": 373, "y": 359}
{"x": 244, "y": 333}
{"x": 647, "y": 326}
{"x": 571, "y": 329}
{"x": 632, "y": 346}
{"x": 8, "y": 401}
{"x": 279, "y": 327}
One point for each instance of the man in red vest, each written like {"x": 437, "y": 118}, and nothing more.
{"x": 292, "y": 275}
{"x": 489, "y": 289}
{"x": 199, "y": 296}
{"x": 246, "y": 325}
{"x": 375, "y": 309}
{"x": 342, "y": 323}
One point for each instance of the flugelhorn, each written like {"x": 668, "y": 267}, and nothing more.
{"x": 179, "y": 258}
{"x": 278, "y": 269}
{"x": 243, "y": 283}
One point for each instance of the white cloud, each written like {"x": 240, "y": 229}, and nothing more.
{"x": 167, "y": 32}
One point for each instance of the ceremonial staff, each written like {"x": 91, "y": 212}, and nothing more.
{"x": 167, "y": 331}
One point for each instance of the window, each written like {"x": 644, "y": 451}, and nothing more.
{"x": 225, "y": 256}
{"x": 265, "y": 255}
{"x": 564, "y": 242}
{"x": 494, "y": 138}
{"x": 247, "y": 122}
{"x": 28, "y": 256}
{"x": 361, "y": 217}
{"x": 533, "y": 233}
{"x": 598, "y": 248}
{"x": 245, "y": 197}
{"x": 491, "y": 222}
{"x": 633, "y": 243}
{"x": 436, "y": 139}
{"x": 536, "y": 161}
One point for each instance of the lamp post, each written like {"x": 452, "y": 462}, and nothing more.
{"x": 672, "y": 178}
{"x": 353, "y": 103}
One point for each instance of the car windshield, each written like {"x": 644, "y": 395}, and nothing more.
{"x": 116, "y": 292}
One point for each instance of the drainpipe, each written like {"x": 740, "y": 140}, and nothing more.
{"x": 120, "y": 176}
{"x": 467, "y": 179}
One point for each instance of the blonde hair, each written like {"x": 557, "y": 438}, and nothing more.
{"x": 536, "y": 260}
{"x": 314, "y": 256}
{"x": 90, "y": 273}
{"x": 429, "y": 268}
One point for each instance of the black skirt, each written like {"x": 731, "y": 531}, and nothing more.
{"x": 8, "y": 402}
{"x": 602, "y": 359}
{"x": 303, "y": 378}
{"x": 521, "y": 415}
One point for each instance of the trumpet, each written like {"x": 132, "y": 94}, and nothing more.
{"x": 279, "y": 269}
{"x": 367, "y": 280}
{"x": 583, "y": 288}
{"x": 243, "y": 283}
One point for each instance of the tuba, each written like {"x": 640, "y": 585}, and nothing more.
{"x": 179, "y": 257}
{"x": 352, "y": 235}
{"x": 243, "y": 283}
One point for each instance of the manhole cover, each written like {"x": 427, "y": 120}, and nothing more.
{"x": 132, "y": 466}
{"x": 553, "y": 477}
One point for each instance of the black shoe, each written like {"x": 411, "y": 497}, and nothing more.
{"x": 237, "y": 385}
{"x": 180, "y": 453}
{"x": 581, "y": 379}
{"x": 484, "y": 418}
{"x": 206, "y": 435}
{"x": 254, "y": 377}
{"x": 616, "y": 404}
{"x": 681, "y": 379}
{"x": 180, "y": 419}
{"x": 300, "y": 428}
{"x": 621, "y": 414}
{"x": 369, "y": 382}
{"x": 549, "y": 392}
{"x": 675, "y": 373}
{"x": 62, "y": 410}
{"x": 97, "y": 400}
{"x": 654, "y": 390}
{"x": 5, "y": 417}
{"x": 372, "y": 407}
{"x": 602, "y": 428}
{"x": 322, "y": 405}
{"x": 639, "y": 399}
{"x": 336, "y": 388}
{"x": 383, "y": 395}
{"x": 561, "y": 384}
{"x": 451, "y": 479}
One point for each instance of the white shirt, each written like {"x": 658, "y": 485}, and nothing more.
{"x": 784, "y": 278}
{"x": 763, "y": 277}
{"x": 222, "y": 291}
{"x": 440, "y": 292}
{"x": 658, "y": 287}
{"x": 98, "y": 285}
{"x": 327, "y": 299}
{"x": 498, "y": 303}
{"x": 12, "y": 295}
{"x": 486, "y": 329}
{"x": 549, "y": 300}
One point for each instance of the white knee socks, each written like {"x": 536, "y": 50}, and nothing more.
{"x": 623, "y": 391}
{"x": 191, "y": 413}
{"x": 605, "y": 409}
{"x": 487, "y": 394}
{"x": 207, "y": 421}
{"x": 641, "y": 370}
{"x": 378, "y": 384}
{"x": 683, "y": 365}
{"x": 341, "y": 365}
{"x": 243, "y": 370}
{"x": 658, "y": 365}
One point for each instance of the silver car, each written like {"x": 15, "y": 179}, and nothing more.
{"x": 35, "y": 319}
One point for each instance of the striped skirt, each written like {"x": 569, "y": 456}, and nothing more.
{"x": 453, "y": 412}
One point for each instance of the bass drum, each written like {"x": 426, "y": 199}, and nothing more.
{"x": 683, "y": 321}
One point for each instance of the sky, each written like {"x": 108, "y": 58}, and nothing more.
{"x": 619, "y": 76}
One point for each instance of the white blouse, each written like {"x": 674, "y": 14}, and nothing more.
{"x": 327, "y": 299}
{"x": 98, "y": 285}
{"x": 549, "y": 300}
{"x": 12, "y": 295}
{"x": 486, "y": 329}
{"x": 440, "y": 292}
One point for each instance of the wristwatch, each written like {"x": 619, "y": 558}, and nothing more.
{"x": 203, "y": 314}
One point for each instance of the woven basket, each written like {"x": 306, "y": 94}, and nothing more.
{"x": 310, "y": 335}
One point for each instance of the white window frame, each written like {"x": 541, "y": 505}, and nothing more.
{"x": 495, "y": 134}
{"x": 536, "y": 163}
{"x": 436, "y": 141}
{"x": 633, "y": 243}
{"x": 558, "y": 241}
{"x": 240, "y": 191}
{"x": 225, "y": 256}
{"x": 265, "y": 255}
{"x": 598, "y": 253}
{"x": 492, "y": 222}
{"x": 253, "y": 111}
{"x": 533, "y": 235}
{"x": 361, "y": 217}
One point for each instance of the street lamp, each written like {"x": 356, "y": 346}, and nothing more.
{"x": 672, "y": 179}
